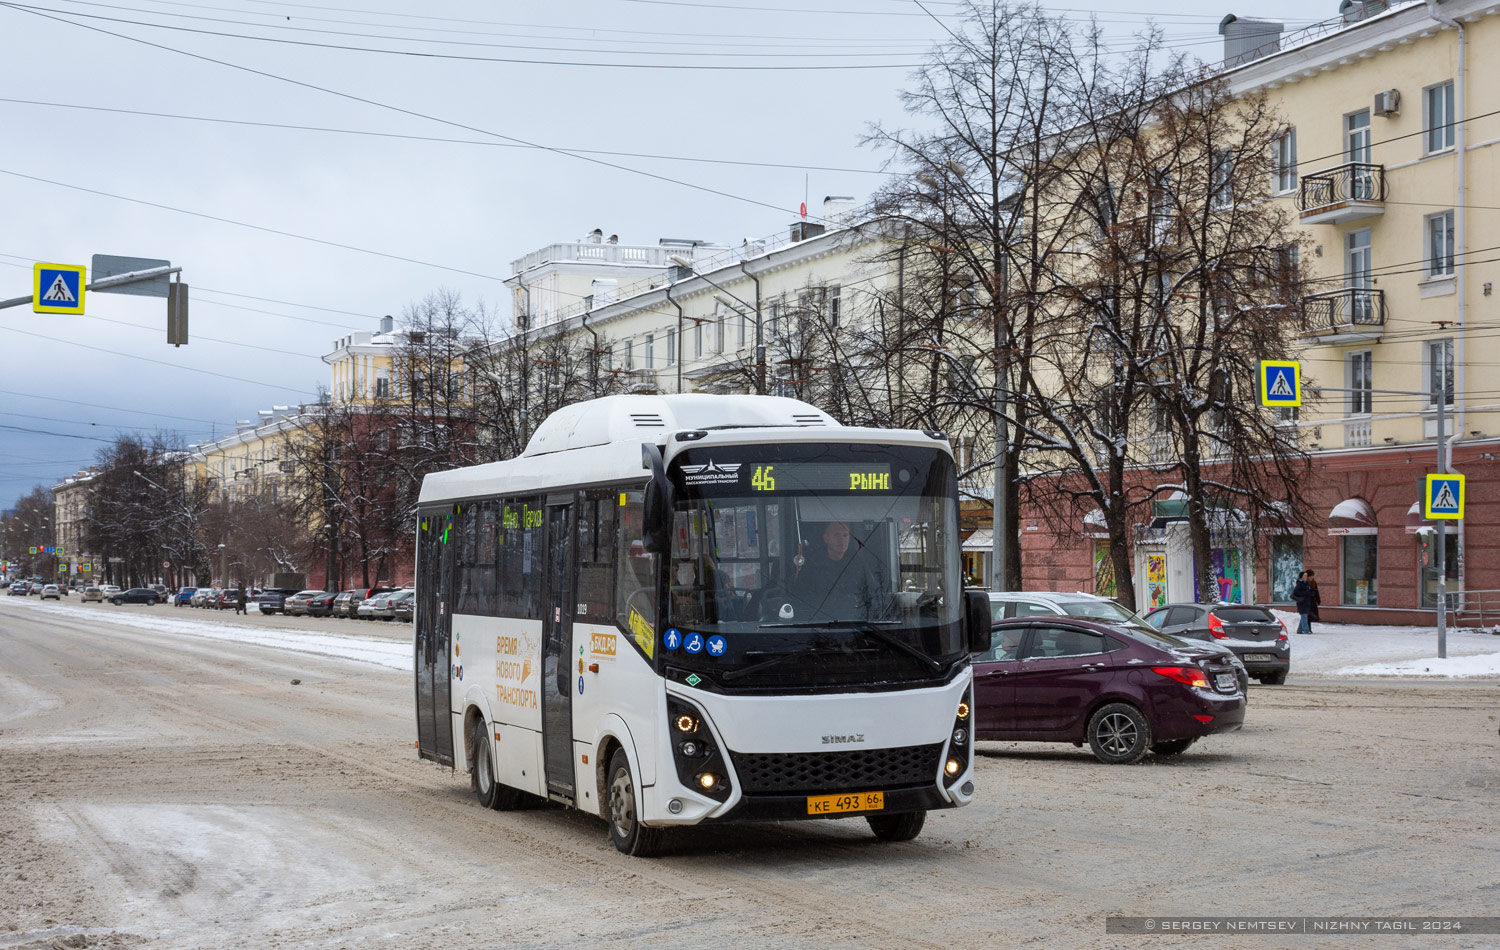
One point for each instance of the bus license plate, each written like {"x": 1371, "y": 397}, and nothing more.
{"x": 833, "y": 804}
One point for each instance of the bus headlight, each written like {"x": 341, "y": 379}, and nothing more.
{"x": 959, "y": 749}
{"x": 701, "y": 766}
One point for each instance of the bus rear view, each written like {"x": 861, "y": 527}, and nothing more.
{"x": 673, "y": 610}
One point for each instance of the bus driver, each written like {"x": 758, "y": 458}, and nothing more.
{"x": 839, "y": 583}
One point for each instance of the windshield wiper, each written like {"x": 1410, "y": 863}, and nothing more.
{"x": 871, "y": 629}
{"x": 747, "y": 670}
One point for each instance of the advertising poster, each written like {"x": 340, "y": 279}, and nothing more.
{"x": 1156, "y": 579}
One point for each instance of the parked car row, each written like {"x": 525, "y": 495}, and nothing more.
{"x": 375, "y": 603}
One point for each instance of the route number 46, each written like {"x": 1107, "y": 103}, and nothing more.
{"x": 762, "y": 479}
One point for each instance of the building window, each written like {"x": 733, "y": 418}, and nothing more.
{"x": 835, "y": 306}
{"x": 1360, "y": 552}
{"x": 1438, "y": 107}
{"x": 627, "y": 355}
{"x": 1221, "y": 179}
{"x": 1286, "y": 161}
{"x": 651, "y": 351}
{"x": 671, "y": 347}
{"x": 1161, "y": 207}
{"x": 1286, "y": 564}
{"x": 382, "y": 384}
{"x": 1104, "y": 207}
{"x": 775, "y": 319}
{"x": 1359, "y": 383}
{"x": 1440, "y": 244}
{"x": 1440, "y": 371}
{"x": 744, "y": 323}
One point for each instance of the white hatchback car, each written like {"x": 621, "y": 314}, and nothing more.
{"x": 53, "y": 591}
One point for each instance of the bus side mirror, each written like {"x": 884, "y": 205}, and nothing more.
{"x": 977, "y": 620}
{"x": 656, "y": 529}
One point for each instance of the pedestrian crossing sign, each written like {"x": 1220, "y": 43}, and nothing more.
{"x": 1444, "y": 497}
{"x": 1280, "y": 383}
{"x": 57, "y": 288}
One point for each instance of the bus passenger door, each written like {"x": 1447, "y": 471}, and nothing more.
{"x": 433, "y": 627}
{"x": 557, "y": 661}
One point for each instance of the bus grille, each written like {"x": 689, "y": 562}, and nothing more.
{"x": 798, "y": 772}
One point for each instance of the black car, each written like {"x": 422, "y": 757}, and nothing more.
{"x": 272, "y": 600}
{"x": 1252, "y": 632}
{"x": 136, "y": 595}
{"x": 321, "y": 605}
{"x": 19, "y": 589}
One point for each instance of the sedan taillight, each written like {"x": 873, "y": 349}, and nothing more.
{"x": 1282, "y": 635}
{"x": 1187, "y": 675}
{"x": 1216, "y": 627}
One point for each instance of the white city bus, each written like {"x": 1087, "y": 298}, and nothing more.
{"x": 680, "y": 609}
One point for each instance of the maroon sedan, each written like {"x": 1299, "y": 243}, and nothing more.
{"x": 1124, "y": 691}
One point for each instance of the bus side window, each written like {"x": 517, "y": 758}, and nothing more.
{"x": 635, "y": 592}
{"x": 520, "y": 550}
{"x": 461, "y": 538}
{"x": 596, "y": 559}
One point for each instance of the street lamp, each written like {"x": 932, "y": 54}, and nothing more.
{"x": 760, "y": 343}
{"x": 223, "y": 579}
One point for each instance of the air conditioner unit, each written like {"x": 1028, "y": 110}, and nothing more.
{"x": 1387, "y": 103}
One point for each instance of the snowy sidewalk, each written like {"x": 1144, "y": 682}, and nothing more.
{"x": 1360, "y": 650}
{"x": 393, "y": 654}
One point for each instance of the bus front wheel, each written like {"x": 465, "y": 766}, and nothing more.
{"x": 487, "y": 788}
{"x": 903, "y": 827}
{"x": 623, "y": 812}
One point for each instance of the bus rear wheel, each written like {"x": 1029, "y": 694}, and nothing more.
{"x": 903, "y": 827}
{"x": 487, "y": 788}
{"x": 623, "y": 812}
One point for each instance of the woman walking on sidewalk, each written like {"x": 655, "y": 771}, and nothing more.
{"x": 1307, "y": 598}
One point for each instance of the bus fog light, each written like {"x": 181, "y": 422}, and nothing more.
{"x": 708, "y": 781}
{"x": 689, "y": 749}
{"x": 960, "y": 736}
{"x": 953, "y": 767}
{"x": 675, "y": 806}
{"x": 968, "y": 788}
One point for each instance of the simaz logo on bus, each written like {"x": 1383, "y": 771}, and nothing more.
{"x": 712, "y": 473}
{"x": 840, "y": 740}
{"x": 602, "y": 645}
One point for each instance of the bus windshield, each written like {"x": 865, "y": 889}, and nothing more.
{"x": 849, "y": 548}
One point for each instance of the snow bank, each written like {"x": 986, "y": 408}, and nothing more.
{"x": 1335, "y": 649}
{"x": 393, "y": 654}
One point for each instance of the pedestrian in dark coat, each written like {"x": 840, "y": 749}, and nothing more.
{"x": 1305, "y": 593}
{"x": 1313, "y": 599}
{"x": 239, "y": 601}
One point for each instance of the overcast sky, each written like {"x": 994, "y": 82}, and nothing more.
{"x": 422, "y": 182}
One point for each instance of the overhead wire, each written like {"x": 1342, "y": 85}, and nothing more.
{"x": 392, "y": 108}
{"x": 448, "y": 141}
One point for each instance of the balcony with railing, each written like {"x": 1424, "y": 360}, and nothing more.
{"x": 1347, "y": 315}
{"x": 1346, "y": 192}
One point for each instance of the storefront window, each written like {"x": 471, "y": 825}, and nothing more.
{"x": 1286, "y": 564}
{"x": 1451, "y": 565}
{"x": 1359, "y": 570}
